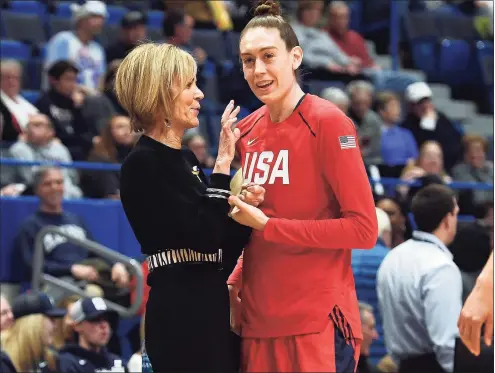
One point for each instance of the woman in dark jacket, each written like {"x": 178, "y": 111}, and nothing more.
{"x": 114, "y": 144}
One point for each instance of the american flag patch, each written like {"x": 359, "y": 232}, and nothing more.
{"x": 347, "y": 142}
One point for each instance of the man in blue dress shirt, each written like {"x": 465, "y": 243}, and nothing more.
{"x": 420, "y": 288}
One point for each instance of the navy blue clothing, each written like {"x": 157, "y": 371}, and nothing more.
{"x": 60, "y": 254}
{"x": 6, "y": 365}
{"x": 75, "y": 359}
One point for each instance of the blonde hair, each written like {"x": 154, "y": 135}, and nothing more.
{"x": 63, "y": 332}
{"x": 145, "y": 79}
{"x": 23, "y": 342}
{"x": 471, "y": 139}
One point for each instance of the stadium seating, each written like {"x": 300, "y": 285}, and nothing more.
{"x": 29, "y": 7}
{"x": 155, "y": 18}
{"x": 31, "y": 96}
{"x": 23, "y": 27}
{"x": 14, "y": 50}
{"x": 115, "y": 14}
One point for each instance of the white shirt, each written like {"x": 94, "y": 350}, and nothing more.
{"x": 420, "y": 297}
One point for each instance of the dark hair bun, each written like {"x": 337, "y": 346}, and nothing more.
{"x": 267, "y": 8}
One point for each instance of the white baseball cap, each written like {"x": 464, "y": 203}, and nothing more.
{"x": 415, "y": 92}
{"x": 88, "y": 9}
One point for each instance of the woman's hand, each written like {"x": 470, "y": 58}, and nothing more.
{"x": 247, "y": 215}
{"x": 252, "y": 194}
{"x": 228, "y": 138}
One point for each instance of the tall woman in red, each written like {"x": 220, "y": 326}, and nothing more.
{"x": 299, "y": 306}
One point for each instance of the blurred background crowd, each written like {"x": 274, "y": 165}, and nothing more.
{"x": 416, "y": 78}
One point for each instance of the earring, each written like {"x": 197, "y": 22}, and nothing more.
{"x": 168, "y": 125}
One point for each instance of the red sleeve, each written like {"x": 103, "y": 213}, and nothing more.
{"x": 365, "y": 56}
{"x": 346, "y": 175}
{"x": 235, "y": 279}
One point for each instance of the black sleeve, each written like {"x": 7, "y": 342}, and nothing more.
{"x": 236, "y": 239}
{"x": 169, "y": 209}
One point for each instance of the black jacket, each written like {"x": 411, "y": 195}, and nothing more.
{"x": 75, "y": 359}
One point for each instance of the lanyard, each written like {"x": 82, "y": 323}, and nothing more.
{"x": 428, "y": 241}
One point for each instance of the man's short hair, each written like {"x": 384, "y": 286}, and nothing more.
{"x": 431, "y": 205}
{"x": 40, "y": 174}
{"x": 174, "y": 17}
{"x": 59, "y": 68}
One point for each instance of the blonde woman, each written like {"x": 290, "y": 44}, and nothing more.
{"x": 179, "y": 217}
{"x": 27, "y": 341}
{"x": 64, "y": 331}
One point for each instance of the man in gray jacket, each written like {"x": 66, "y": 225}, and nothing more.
{"x": 40, "y": 144}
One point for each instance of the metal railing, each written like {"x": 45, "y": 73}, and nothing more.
{"x": 39, "y": 277}
{"x": 116, "y": 166}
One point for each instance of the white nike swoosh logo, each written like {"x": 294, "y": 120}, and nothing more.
{"x": 250, "y": 142}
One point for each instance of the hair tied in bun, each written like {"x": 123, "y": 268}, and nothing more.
{"x": 267, "y": 8}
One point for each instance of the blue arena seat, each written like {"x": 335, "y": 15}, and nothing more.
{"x": 14, "y": 49}
{"x": 28, "y": 7}
{"x": 31, "y": 96}
{"x": 457, "y": 64}
{"x": 63, "y": 10}
{"x": 115, "y": 14}
{"x": 155, "y": 18}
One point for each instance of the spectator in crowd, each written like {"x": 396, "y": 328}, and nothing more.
{"x": 15, "y": 110}
{"x": 64, "y": 331}
{"x": 368, "y": 123}
{"x": 199, "y": 10}
{"x": 338, "y": 97}
{"x": 6, "y": 315}
{"x": 132, "y": 31}
{"x": 365, "y": 264}
{"x": 178, "y": 28}
{"x": 198, "y": 145}
{"x": 354, "y": 47}
{"x": 114, "y": 144}
{"x": 40, "y": 144}
{"x": 472, "y": 247}
{"x": 66, "y": 104}
{"x": 321, "y": 55}
{"x": 78, "y": 45}
{"x": 397, "y": 144}
{"x": 420, "y": 287}
{"x": 91, "y": 323}
{"x": 397, "y": 219}
{"x": 108, "y": 87}
{"x": 63, "y": 259}
{"x": 370, "y": 334}
{"x": 27, "y": 342}
{"x": 349, "y": 41}
{"x": 429, "y": 163}
{"x": 427, "y": 123}
{"x": 475, "y": 168}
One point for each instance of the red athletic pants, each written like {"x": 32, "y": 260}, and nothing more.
{"x": 327, "y": 351}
